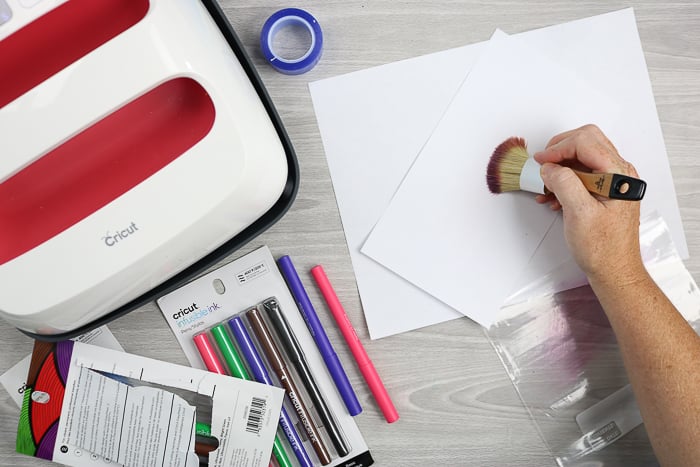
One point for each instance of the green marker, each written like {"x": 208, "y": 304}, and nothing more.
{"x": 229, "y": 352}
{"x": 235, "y": 366}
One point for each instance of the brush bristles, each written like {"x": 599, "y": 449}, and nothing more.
{"x": 505, "y": 165}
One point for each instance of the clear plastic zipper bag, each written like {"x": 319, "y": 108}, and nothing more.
{"x": 562, "y": 357}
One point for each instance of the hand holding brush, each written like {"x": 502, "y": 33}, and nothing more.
{"x": 659, "y": 348}
{"x": 511, "y": 168}
{"x": 602, "y": 233}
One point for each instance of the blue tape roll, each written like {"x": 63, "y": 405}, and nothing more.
{"x": 286, "y": 17}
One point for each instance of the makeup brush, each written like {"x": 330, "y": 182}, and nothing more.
{"x": 511, "y": 168}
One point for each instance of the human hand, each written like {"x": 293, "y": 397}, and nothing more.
{"x": 602, "y": 234}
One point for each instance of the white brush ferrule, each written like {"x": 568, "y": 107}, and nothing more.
{"x": 530, "y": 179}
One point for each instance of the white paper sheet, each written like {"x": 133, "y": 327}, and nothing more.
{"x": 606, "y": 51}
{"x": 374, "y": 122}
{"x": 467, "y": 246}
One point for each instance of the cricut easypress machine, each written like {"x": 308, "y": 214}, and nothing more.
{"x": 137, "y": 147}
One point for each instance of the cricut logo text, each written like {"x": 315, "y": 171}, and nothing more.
{"x": 112, "y": 239}
{"x": 189, "y": 314}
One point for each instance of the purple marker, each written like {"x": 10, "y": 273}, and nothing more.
{"x": 257, "y": 367}
{"x": 324, "y": 346}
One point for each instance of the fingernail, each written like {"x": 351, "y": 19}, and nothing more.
{"x": 546, "y": 169}
{"x": 538, "y": 155}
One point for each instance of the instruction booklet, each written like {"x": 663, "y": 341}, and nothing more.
{"x": 87, "y": 405}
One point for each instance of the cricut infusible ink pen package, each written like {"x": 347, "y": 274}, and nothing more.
{"x": 242, "y": 320}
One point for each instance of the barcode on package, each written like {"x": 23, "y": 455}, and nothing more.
{"x": 256, "y": 414}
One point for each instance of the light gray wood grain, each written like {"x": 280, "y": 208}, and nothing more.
{"x": 456, "y": 402}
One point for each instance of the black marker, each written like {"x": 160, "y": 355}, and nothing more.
{"x": 296, "y": 354}
{"x": 278, "y": 366}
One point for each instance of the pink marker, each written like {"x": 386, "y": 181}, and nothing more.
{"x": 208, "y": 354}
{"x": 358, "y": 351}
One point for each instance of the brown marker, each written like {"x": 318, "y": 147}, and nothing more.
{"x": 280, "y": 368}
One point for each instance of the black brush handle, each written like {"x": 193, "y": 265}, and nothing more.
{"x": 613, "y": 186}
{"x": 627, "y": 188}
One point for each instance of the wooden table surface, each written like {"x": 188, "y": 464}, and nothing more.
{"x": 464, "y": 411}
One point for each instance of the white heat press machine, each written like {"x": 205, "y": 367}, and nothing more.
{"x": 137, "y": 148}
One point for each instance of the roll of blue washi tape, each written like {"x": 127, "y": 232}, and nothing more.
{"x": 291, "y": 17}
